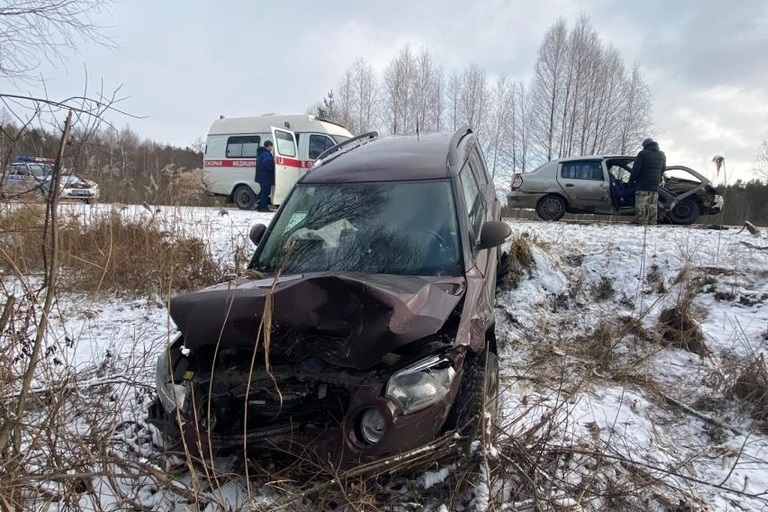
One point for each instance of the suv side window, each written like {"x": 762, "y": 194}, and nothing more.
{"x": 474, "y": 202}
{"x": 592, "y": 170}
{"x": 318, "y": 144}
{"x": 242, "y": 146}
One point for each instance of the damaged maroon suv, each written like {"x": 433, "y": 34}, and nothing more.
{"x": 364, "y": 327}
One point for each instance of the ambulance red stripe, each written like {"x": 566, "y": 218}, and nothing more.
{"x": 280, "y": 160}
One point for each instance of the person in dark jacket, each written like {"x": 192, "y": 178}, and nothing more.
{"x": 265, "y": 174}
{"x": 646, "y": 175}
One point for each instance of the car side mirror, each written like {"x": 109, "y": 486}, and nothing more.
{"x": 257, "y": 231}
{"x": 493, "y": 234}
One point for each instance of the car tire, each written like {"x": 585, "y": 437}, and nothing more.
{"x": 685, "y": 212}
{"x": 477, "y": 398}
{"x": 244, "y": 197}
{"x": 551, "y": 207}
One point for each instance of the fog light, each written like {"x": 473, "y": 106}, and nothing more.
{"x": 373, "y": 425}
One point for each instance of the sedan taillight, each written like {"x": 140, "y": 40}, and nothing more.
{"x": 517, "y": 181}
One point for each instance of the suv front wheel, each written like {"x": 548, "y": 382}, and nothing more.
{"x": 476, "y": 403}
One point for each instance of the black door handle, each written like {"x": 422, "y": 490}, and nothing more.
{"x": 569, "y": 184}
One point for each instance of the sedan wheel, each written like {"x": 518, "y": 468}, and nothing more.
{"x": 684, "y": 212}
{"x": 551, "y": 207}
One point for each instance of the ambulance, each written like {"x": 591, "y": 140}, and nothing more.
{"x": 230, "y": 153}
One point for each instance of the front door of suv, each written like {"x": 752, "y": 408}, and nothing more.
{"x": 586, "y": 184}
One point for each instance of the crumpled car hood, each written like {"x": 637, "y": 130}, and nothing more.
{"x": 350, "y": 320}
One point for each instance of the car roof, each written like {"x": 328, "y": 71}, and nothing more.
{"x": 393, "y": 158}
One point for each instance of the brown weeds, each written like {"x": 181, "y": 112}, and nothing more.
{"x": 751, "y": 386}
{"x": 108, "y": 253}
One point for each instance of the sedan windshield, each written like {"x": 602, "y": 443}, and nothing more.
{"x": 404, "y": 228}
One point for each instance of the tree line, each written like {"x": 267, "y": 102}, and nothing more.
{"x": 581, "y": 99}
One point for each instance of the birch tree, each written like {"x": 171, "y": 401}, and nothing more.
{"x": 582, "y": 99}
{"x": 473, "y": 99}
{"x": 397, "y": 90}
{"x": 365, "y": 88}
{"x": 546, "y": 99}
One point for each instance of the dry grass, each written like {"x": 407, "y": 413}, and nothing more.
{"x": 171, "y": 185}
{"x": 677, "y": 324}
{"x": 679, "y": 329}
{"x": 604, "y": 289}
{"x": 751, "y": 386}
{"x": 107, "y": 252}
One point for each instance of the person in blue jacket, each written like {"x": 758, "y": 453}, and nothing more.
{"x": 265, "y": 174}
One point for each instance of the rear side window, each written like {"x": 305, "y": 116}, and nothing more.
{"x": 285, "y": 145}
{"x": 582, "y": 171}
{"x": 242, "y": 146}
{"x": 318, "y": 144}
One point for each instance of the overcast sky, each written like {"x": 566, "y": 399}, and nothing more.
{"x": 184, "y": 63}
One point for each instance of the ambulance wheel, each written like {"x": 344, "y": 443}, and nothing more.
{"x": 243, "y": 197}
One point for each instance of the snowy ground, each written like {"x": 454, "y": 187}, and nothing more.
{"x": 587, "y": 386}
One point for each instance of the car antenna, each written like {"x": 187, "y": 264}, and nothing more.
{"x": 417, "y": 129}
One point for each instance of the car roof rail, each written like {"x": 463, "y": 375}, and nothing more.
{"x": 456, "y": 139}
{"x": 359, "y": 140}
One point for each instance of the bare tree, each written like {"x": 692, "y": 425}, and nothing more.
{"x": 636, "y": 111}
{"x": 762, "y": 160}
{"x": 345, "y": 100}
{"x": 33, "y": 31}
{"x": 499, "y": 147}
{"x": 582, "y": 99}
{"x": 437, "y": 100}
{"x": 453, "y": 99}
{"x": 473, "y": 99}
{"x": 425, "y": 92}
{"x": 365, "y": 88}
{"x": 547, "y": 88}
{"x": 397, "y": 91}
{"x": 522, "y": 124}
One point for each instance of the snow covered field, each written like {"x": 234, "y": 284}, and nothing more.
{"x": 599, "y": 409}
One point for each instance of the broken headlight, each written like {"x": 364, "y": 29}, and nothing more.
{"x": 172, "y": 395}
{"x": 421, "y": 384}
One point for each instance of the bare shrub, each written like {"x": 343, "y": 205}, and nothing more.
{"x": 599, "y": 345}
{"x": 604, "y": 289}
{"x": 677, "y": 325}
{"x": 680, "y": 330}
{"x": 185, "y": 187}
{"x": 751, "y": 386}
{"x": 656, "y": 279}
{"x": 170, "y": 185}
